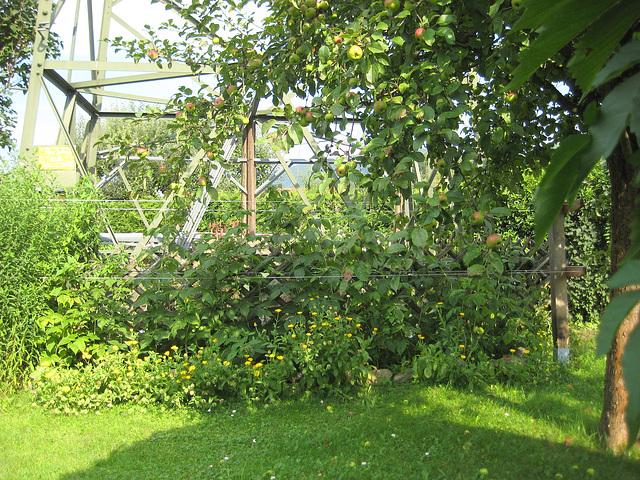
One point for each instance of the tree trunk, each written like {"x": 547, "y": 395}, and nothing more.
{"x": 612, "y": 422}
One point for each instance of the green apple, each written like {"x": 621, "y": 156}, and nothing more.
{"x": 245, "y": 120}
{"x": 173, "y": 186}
{"x": 442, "y": 198}
{"x": 517, "y": 5}
{"x": 341, "y": 170}
{"x": 329, "y": 117}
{"x": 351, "y": 165}
{"x": 379, "y": 107}
{"x": 441, "y": 164}
{"x": 355, "y": 52}
{"x": 494, "y": 241}
{"x": 294, "y": 59}
{"x": 392, "y": 5}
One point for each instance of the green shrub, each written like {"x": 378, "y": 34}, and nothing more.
{"x": 38, "y": 231}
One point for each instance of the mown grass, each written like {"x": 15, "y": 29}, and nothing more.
{"x": 391, "y": 432}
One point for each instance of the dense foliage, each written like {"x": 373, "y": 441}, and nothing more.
{"x": 38, "y": 232}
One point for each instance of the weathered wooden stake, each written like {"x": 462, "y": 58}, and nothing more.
{"x": 559, "y": 292}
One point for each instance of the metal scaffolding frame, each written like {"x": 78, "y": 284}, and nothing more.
{"x": 106, "y": 76}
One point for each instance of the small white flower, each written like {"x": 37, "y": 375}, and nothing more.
{"x": 254, "y": 441}
{"x": 393, "y": 435}
{"x": 364, "y": 463}
{"x": 426, "y": 454}
{"x": 226, "y": 459}
{"x": 506, "y": 414}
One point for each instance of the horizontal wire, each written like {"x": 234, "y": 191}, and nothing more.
{"x": 455, "y": 273}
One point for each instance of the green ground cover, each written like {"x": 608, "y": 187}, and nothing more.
{"x": 389, "y": 432}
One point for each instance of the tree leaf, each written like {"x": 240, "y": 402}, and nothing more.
{"x": 555, "y": 184}
{"x": 600, "y": 40}
{"x": 362, "y": 271}
{"x": 555, "y": 32}
{"x": 628, "y": 275}
{"x": 631, "y": 374}
{"x": 419, "y": 237}
{"x": 627, "y": 57}
{"x": 612, "y": 317}
{"x": 475, "y": 270}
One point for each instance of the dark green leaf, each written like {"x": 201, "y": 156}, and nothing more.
{"x": 627, "y": 57}
{"x": 600, "y": 40}
{"x": 628, "y": 275}
{"x": 612, "y": 317}
{"x": 556, "y": 182}
{"x": 555, "y": 32}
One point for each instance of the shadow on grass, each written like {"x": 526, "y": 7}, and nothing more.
{"x": 411, "y": 434}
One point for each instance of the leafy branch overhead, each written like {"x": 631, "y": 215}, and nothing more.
{"x": 604, "y": 66}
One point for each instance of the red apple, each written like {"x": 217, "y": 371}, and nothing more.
{"x": 419, "y": 33}
{"x": 477, "y": 218}
{"x": 231, "y": 89}
{"x": 202, "y": 181}
{"x": 218, "y": 102}
{"x": 162, "y": 169}
{"x": 338, "y": 39}
{"x": 153, "y": 54}
{"x": 190, "y": 107}
{"x": 301, "y": 110}
{"x": 142, "y": 152}
{"x": 442, "y": 198}
{"x": 494, "y": 241}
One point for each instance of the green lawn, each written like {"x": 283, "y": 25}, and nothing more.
{"x": 392, "y": 432}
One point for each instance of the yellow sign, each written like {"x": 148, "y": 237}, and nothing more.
{"x": 57, "y": 157}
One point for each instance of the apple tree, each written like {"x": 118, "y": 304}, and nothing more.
{"x": 425, "y": 80}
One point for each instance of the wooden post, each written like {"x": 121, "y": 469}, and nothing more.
{"x": 249, "y": 176}
{"x": 559, "y": 291}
